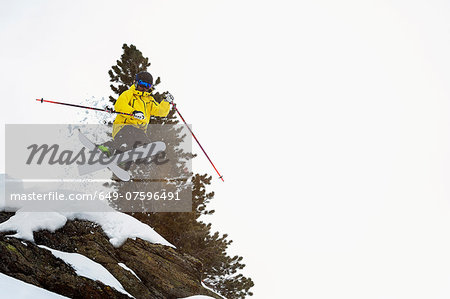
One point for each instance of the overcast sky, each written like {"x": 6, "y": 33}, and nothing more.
{"x": 328, "y": 119}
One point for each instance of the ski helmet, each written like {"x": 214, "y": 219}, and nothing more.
{"x": 144, "y": 78}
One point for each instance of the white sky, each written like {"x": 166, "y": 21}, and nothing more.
{"x": 328, "y": 119}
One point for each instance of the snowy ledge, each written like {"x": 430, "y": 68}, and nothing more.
{"x": 86, "y": 267}
{"x": 117, "y": 226}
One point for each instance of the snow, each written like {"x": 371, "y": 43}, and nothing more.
{"x": 208, "y": 288}
{"x": 116, "y": 225}
{"x": 198, "y": 297}
{"x": 203, "y": 296}
{"x": 25, "y": 223}
{"x": 94, "y": 117}
{"x": 128, "y": 269}
{"x": 86, "y": 267}
{"x": 14, "y": 288}
{"x": 119, "y": 227}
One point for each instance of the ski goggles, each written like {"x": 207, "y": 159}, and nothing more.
{"x": 144, "y": 84}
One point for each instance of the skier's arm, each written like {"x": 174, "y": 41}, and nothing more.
{"x": 122, "y": 105}
{"x": 161, "y": 109}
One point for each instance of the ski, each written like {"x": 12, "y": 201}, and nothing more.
{"x": 119, "y": 172}
{"x": 140, "y": 152}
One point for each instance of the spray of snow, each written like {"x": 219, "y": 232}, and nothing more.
{"x": 86, "y": 116}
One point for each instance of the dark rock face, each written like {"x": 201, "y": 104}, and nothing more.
{"x": 5, "y": 216}
{"x": 162, "y": 271}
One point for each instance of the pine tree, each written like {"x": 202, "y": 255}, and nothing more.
{"x": 194, "y": 237}
{"x": 184, "y": 230}
{"x": 122, "y": 74}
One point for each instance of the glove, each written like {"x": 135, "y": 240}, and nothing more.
{"x": 138, "y": 114}
{"x": 169, "y": 98}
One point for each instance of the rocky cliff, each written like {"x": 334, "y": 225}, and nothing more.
{"x": 159, "y": 271}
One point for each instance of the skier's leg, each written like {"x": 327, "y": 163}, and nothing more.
{"x": 122, "y": 142}
{"x": 128, "y": 138}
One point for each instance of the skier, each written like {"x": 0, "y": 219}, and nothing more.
{"x": 138, "y": 105}
{"x": 137, "y": 100}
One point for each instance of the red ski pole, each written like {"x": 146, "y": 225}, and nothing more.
{"x": 192, "y": 133}
{"x": 84, "y": 107}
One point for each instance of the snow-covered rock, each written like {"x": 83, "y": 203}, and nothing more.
{"x": 86, "y": 267}
{"x": 17, "y": 289}
{"x": 109, "y": 253}
{"x": 117, "y": 226}
{"x": 79, "y": 259}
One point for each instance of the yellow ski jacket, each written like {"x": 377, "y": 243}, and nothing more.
{"x": 135, "y": 100}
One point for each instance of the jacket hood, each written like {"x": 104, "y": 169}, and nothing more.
{"x": 139, "y": 93}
